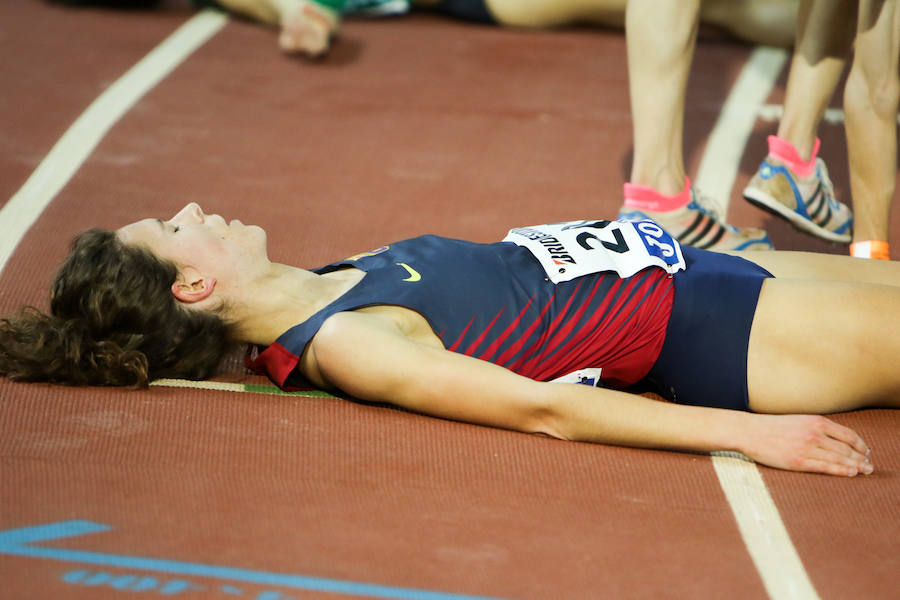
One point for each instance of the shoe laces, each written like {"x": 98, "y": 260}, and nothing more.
{"x": 707, "y": 205}
{"x": 826, "y": 180}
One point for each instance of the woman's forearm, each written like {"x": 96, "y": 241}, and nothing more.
{"x": 581, "y": 413}
{"x": 796, "y": 442}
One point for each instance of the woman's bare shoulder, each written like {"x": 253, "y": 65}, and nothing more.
{"x": 346, "y": 337}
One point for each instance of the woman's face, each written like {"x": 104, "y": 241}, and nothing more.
{"x": 206, "y": 243}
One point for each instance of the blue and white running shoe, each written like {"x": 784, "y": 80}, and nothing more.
{"x": 807, "y": 202}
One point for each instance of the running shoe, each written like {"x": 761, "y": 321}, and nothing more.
{"x": 698, "y": 224}
{"x": 808, "y": 203}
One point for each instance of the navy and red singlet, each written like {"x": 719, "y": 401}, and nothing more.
{"x": 494, "y": 302}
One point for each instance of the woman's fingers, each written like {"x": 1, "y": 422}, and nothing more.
{"x": 840, "y": 448}
{"x": 828, "y": 467}
{"x": 846, "y": 435}
{"x": 809, "y": 443}
{"x": 841, "y": 459}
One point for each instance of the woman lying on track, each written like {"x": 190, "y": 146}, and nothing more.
{"x": 589, "y": 302}
{"x": 308, "y": 26}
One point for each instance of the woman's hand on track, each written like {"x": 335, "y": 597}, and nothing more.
{"x": 808, "y": 443}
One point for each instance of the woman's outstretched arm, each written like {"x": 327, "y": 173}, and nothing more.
{"x": 369, "y": 357}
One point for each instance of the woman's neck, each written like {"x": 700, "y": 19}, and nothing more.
{"x": 285, "y": 297}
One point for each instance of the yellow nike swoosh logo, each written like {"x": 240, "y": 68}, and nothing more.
{"x": 413, "y": 274}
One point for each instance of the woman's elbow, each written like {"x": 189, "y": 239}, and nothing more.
{"x": 545, "y": 415}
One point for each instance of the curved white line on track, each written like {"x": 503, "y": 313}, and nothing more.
{"x": 77, "y": 143}
{"x": 725, "y": 146}
{"x": 758, "y": 519}
{"x": 773, "y": 113}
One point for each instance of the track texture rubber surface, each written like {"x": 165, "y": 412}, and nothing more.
{"x": 411, "y": 125}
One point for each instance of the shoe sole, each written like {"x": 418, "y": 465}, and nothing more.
{"x": 770, "y": 204}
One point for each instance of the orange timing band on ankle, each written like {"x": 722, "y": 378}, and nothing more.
{"x": 643, "y": 197}
{"x": 871, "y": 249}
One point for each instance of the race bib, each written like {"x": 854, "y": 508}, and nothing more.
{"x": 572, "y": 249}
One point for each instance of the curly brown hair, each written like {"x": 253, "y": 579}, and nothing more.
{"x": 113, "y": 321}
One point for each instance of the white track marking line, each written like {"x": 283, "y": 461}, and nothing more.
{"x": 772, "y": 113}
{"x": 725, "y": 147}
{"x": 759, "y": 522}
{"x": 219, "y": 386}
{"x": 761, "y": 526}
{"x": 758, "y": 518}
{"x": 77, "y": 143}
{"x": 250, "y": 388}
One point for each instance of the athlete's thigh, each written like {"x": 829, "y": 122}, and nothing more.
{"x": 825, "y": 267}
{"x": 821, "y": 347}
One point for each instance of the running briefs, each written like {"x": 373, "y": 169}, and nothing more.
{"x": 703, "y": 360}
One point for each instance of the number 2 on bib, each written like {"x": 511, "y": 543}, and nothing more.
{"x": 625, "y": 247}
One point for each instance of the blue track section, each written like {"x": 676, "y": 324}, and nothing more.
{"x": 17, "y": 542}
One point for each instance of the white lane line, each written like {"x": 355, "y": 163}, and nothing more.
{"x": 250, "y": 388}
{"x": 64, "y": 159}
{"x": 725, "y": 147}
{"x": 773, "y": 112}
{"x": 741, "y": 481}
{"x": 219, "y": 386}
{"x": 763, "y": 531}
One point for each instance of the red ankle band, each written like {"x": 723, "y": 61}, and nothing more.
{"x": 785, "y": 151}
{"x": 644, "y": 197}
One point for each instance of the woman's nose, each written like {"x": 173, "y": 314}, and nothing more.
{"x": 192, "y": 213}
